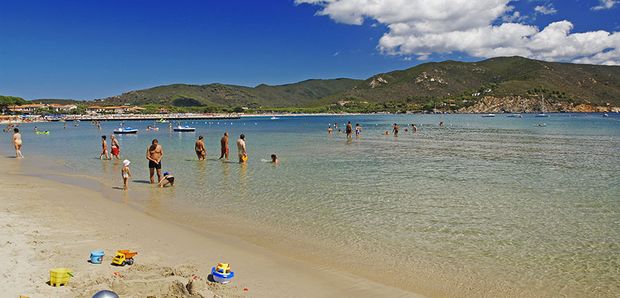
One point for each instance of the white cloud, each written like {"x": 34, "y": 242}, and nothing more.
{"x": 605, "y": 4}
{"x": 545, "y": 9}
{"x": 480, "y": 28}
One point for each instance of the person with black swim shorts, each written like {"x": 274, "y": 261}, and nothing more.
{"x": 154, "y": 154}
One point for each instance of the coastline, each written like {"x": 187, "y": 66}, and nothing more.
{"x": 51, "y": 224}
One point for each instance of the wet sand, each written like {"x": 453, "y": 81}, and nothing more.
{"x": 47, "y": 224}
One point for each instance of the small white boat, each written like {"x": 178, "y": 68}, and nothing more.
{"x": 542, "y": 115}
{"x": 605, "y": 115}
{"x": 184, "y": 128}
{"x": 488, "y": 115}
{"x": 125, "y": 130}
{"x": 514, "y": 116}
{"x": 274, "y": 118}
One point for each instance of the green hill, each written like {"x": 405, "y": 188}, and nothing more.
{"x": 506, "y": 76}
{"x": 304, "y": 93}
{"x": 422, "y": 85}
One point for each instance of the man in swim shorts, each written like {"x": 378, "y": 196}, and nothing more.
{"x": 154, "y": 154}
{"x": 224, "y": 146}
{"x": 349, "y": 129}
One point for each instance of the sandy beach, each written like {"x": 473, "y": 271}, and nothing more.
{"x": 47, "y": 224}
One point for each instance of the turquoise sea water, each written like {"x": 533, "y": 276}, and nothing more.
{"x": 480, "y": 206}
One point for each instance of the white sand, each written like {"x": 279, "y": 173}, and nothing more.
{"x": 45, "y": 224}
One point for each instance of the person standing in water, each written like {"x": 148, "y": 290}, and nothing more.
{"x": 358, "y": 130}
{"x": 224, "y": 146}
{"x": 125, "y": 173}
{"x": 349, "y": 129}
{"x": 154, "y": 154}
{"x": 17, "y": 143}
{"x": 330, "y": 130}
{"x": 441, "y": 124}
{"x": 116, "y": 147}
{"x": 104, "y": 148}
{"x": 241, "y": 150}
{"x": 395, "y": 129}
{"x": 200, "y": 149}
{"x": 414, "y": 128}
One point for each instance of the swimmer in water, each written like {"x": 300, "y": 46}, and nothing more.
{"x": 441, "y": 124}
{"x": 17, "y": 143}
{"x": 358, "y": 130}
{"x": 116, "y": 147}
{"x": 104, "y": 148}
{"x": 274, "y": 159}
{"x": 200, "y": 149}
{"x": 414, "y": 128}
{"x": 330, "y": 130}
{"x": 395, "y": 129}
{"x": 349, "y": 129}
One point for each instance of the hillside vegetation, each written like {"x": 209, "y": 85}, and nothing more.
{"x": 464, "y": 86}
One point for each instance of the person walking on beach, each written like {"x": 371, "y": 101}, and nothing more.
{"x": 154, "y": 154}
{"x": 349, "y": 129}
{"x": 116, "y": 147}
{"x": 104, "y": 148}
{"x": 243, "y": 154}
{"x": 395, "y": 129}
{"x": 17, "y": 143}
{"x": 125, "y": 173}
{"x": 224, "y": 146}
{"x": 200, "y": 149}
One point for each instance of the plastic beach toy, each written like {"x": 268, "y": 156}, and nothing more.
{"x": 222, "y": 273}
{"x": 124, "y": 257}
{"x": 105, "y": 294}
{"x": 60, "y": 277}
{"x": 96, "y": 256}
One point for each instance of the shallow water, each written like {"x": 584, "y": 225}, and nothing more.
{"x": 484, "y": 203}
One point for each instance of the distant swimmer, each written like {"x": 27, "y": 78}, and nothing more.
{"x": 358, "y": 130}
{"x": 241, "y": 149}
{"x": 395, "y": 129}
{"x": 387, "y": 133}
{"x": 414, "y": 128}
{"x": 125, "y": 173}
{"x": 330, "y": 130}
{"x": 154, "y": 154}
{"x": 274, "y": 159}
{"x": 168, "y": 179}
{"x": 116, "y": 147}
{"x": 17, "y": 143}
{"x": 441, "y": 124}
{"x": 349, "y": 129}
{"x": 335, "y": 125}
{"x": 224, "y": 146}
{"x": 104, "y": 148}
{"x": 201, "y": 150}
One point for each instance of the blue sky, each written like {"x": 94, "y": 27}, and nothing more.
{"x": 87, "y": 49}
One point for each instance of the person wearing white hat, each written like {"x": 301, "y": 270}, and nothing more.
{"x": 126, "y": 173}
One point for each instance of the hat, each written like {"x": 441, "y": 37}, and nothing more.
{"x": 126, "y": 162}
{"x": 166, "y": 173}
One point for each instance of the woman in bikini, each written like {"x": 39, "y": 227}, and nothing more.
{"x": 17, "y": 142}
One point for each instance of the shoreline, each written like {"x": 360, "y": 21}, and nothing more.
{"x": 194, "y": 116}
{"x": 81, "y": 225}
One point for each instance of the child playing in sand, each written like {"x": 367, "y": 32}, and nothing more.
{"x": 126, "y": 173}
{"x": 168, "y": 179}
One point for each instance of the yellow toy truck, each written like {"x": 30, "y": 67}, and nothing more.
{"x": 124, "y": 257}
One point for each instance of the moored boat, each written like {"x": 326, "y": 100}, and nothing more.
{"x": 125, "y": 130}
{"x": 184, "y": 128}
